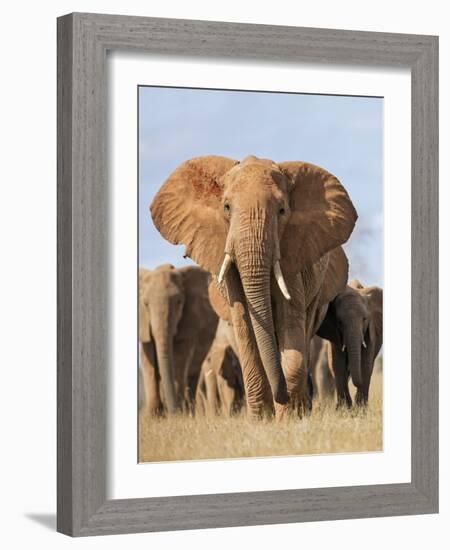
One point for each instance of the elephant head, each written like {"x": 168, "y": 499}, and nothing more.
{"x": 352, "y": 321}
{"x": 161, "y": 301}
{"x": 252, "y": 221}
{"x": 354, "y": 325}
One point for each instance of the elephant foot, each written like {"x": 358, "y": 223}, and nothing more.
{"x": 306, "y": 405}
{"x": 260, "y": 413}
{"x": 361, "y": 399}
{"x": 152, "y": 412}
{"x": 259, "y": 409}
{"x": 301, "y": 408}
{"x": 344, "y": 402}
{"x": 281, "y": 411}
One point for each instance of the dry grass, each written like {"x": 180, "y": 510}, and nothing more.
{"x": 325, "y": 431}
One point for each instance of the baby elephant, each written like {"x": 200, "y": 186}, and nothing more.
{"x": 176, "y": 328}
{"x": 354, "y": 326}
{"x": 220, "y": 387}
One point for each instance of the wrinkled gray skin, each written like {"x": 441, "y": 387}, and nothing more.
{"x": 176, "y": 328}
{"x": 354, "y": 327}
{"x": 220, "y": 387}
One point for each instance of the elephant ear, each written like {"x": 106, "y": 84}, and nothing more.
{"x": 336, "y": 276}
{"x": 322, "y": 215}
{"x": 144, "y": 316}
{"x": 188, "y": 210}
{"x": 334, "y": 283}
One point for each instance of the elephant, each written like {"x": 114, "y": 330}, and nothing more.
{"x": 270, "y": 234}
{"x": 324, "y": 386}
{"x": 220, "y": 387}
{"x": 354, "y": 326}
{"x": 176, "y": 328}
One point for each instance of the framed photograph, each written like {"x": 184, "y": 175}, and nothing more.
{"x": 247, "y": 274}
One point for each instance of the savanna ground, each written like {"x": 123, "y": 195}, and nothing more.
{"x": 326, "y": 430}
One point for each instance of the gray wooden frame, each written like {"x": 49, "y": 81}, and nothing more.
{"x": 83, "y": 41}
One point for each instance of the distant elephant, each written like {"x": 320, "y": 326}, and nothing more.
{"x": 270, "y": 235}
{"x": 176, "y": 328}
{"x": 354, "y": 326}
{"x": 324, "y": 386}
{"x": 220, "y": 386}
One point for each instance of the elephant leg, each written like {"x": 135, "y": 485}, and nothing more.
{"x": 326, "y": 380}
{"x": 362, "y": 393}
{"x": 256, "y": 386}
{"x": 336, "y": 359}
{"x": 212, "y": 398}
{"x": 200, "y": 392}
{"x": 188, "y": 397}
{"x": 226, "y": 388}
{"x": 219, "y": 357}
{"x": 362, "y": 396}
{"x": 227, "y": 396}
{"x": 295, "y": 368}
{"x": 237, "y": 386}
{"x": 150, "y": 379}
{"x": 314, "y": 378}
{"x": 183, "y": 353}
{"x": 313, "y": 366}
{"x": 257, "y": 391}
{"x": 296, "y": 373}
{"x": 258, "y": 396}
{"x": 322, "y": 378}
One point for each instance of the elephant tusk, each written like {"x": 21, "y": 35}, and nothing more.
{"x": 364, "y": 343}
{"x": 280, "y": 280}
{"x": 227, "y": 261}
{"x": 343, "y": 347}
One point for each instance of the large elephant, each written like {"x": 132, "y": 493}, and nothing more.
{"x": 270, "y": 235}
{"x": 354, "y": 327}
{"x": 220, "y": 387}
{"x": 176, "y": 328}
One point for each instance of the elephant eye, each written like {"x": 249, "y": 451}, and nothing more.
{"x": 282, "y": 211}
{"x": 226, "y": 207}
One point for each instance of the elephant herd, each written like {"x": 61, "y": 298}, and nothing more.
{"x": 268, "y": 320}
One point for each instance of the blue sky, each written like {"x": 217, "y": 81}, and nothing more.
{"x": 340, "y": 133}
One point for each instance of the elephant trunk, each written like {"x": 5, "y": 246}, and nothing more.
{"x": 354, "y": 355}
{"x": 254, "y": 256}
{"x": 257, "y": 293}
{"x": 164, "y": 355}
